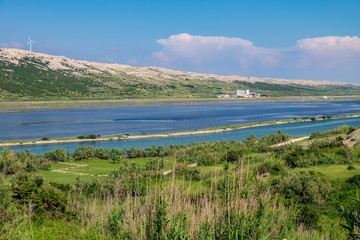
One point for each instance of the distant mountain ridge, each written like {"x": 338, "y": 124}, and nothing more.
{"x": 26, "y": 75}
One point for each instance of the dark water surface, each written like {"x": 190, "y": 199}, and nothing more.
{"x": 299, "y": 129}
{"x": 55, "y": 123}
{"x": 169, "y": 118}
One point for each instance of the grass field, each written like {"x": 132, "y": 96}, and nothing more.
{"x": 94, "y": 167}
{"x": 334, "y": 171}
{"x": 291, "y": 191}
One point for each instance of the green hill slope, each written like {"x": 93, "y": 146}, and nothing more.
{"x": 28, "y": 75}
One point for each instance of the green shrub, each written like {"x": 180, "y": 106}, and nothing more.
{"x": 232, "y": 156}
{"x": 327, "y": 133}
{"x": 154, "y": 164}
{"x": 157, "y": 220}
{"x": 115, "y": 224}
{"x": 355, "y": 180}
{"x": 102, "y": 153}
{"x": 352, "y": 220}
{"x": 304, "y": 187}
{"x": 346, "y": 153}
{"x": 351, "y": 129}
{"x": 115, "y": 159}
{"x": 84, "y": 152}
{"x": 11, "y": 217}
{"x": 351, "y": 167}
{"x": 44, "y": 200}
{"x": 92, "y": 136}
{"x": 305, "y": 158}
{"x": 116, "y": 152}
{"x": 321, "y": 144}
{"x": 308, "y": 217}
{"x": 271, "y": 166}
{"x": 20, "y": 163}
{"x": 274, "y": 138}
{"x": 190, "y": 174}
{"x": 56, "y": 155}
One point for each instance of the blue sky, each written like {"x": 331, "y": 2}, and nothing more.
{"x": 307, "y": 39}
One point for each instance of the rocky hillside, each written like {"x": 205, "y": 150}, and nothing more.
{"x": 28, "y": 75}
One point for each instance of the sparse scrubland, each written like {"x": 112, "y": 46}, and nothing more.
{"x": 212, "y": 190}
{"x": 31, "y": 76}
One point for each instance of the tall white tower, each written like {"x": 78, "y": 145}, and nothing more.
{"x": 30, "y": 43}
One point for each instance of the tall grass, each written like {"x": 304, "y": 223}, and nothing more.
{"x": 235, "y": 206}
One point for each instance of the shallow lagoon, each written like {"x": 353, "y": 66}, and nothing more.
{"x": 55, "y": 123}
{"x": 299, "y": 129}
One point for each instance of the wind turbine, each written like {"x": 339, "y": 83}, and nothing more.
{"x": 29, "y": 43}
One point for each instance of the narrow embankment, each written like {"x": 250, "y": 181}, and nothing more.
{"x": 174, "y": 134}
{"x": 291, "y": 141}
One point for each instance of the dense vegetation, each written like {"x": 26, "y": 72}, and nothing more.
{"x": 211, "y": 190}
{"x": 31, "y": 79}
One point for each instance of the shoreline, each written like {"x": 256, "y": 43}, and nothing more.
{"x": 171, "y": 134}
{"x": 68, "y": 104}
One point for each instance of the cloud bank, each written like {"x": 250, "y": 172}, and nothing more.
{"x": 330, "y": 57}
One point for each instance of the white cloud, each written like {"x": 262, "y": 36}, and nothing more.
{"x": 315, "y": 58}
{"x": 201, "y": 50}
{"x": 330, "y": 43}
{"x": 330, "y": 52}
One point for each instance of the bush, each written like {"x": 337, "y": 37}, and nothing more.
{"x": 92, "y": 136}
{"x": 10, "y": 217}
{"x": 304, "y": 158}
{"x": 102, "y": 153}
{"x": 355, "y": 180}
{"x": 270, "y": 166}
{"x": 351, "y": 167}
{"x": 321, "y": 144}
{"x": 232, "y": 156}
{"x": 190, "y": 174}
{"x": 351, "y": 129}
{"x": 115, "y": 159}
{"x": 115, "y": 152}
{"x": 327, "y": 133}
{"x": 20, "y": 163}
{"x": 274, "y": 138}
{"x": 352, "y": 219}
{"x": 346, "y": 153}
{"x": 304, "y": 187}
{"x": 115, "y": 224}
{"x": 45, "y": 200}
{"x": 57, "y": 155}
{"x": 84, "y": 152}
{"x": 45, "y": 138}
{"x": 154, "y": 164}
{"x": 308, "y": 217}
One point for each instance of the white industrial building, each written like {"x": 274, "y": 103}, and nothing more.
{"x": 246, "y": 94}
{"x": 242, "y": 93}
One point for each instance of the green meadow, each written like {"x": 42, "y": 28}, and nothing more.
{"x": 252, "y": 189}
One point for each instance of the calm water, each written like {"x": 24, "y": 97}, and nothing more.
{"x": 304, "y": 128}
{"x": 155, "y": 119}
